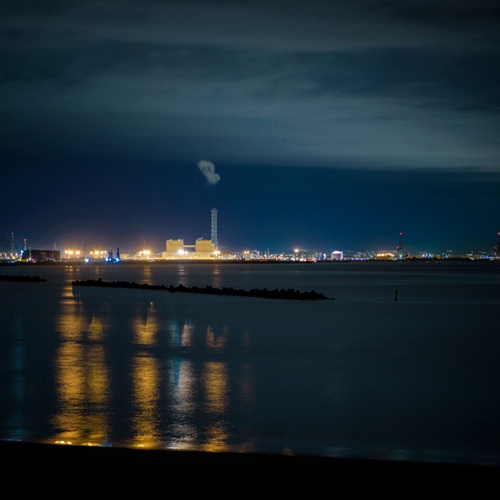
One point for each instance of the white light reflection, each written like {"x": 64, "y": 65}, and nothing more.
{"x": 183, "y": 388}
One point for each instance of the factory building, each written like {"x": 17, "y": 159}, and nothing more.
{"x": 202, "y": 249}
{"x": 175, "y": 247}
{"x": 337, "y": 255}
{"x": 35, "y": 255}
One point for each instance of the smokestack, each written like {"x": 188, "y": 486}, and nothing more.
{"x": 214, "y": 229}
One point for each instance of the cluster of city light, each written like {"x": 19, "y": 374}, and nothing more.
{"x": 7, "y": 255}
{"x": 385, "y": 255}
{"x": 76, "y": 254}
{"x": 98, "y": 254}
{"x": 296, "y": 254}
{"x": 72, "y": 254}
{"x": 301, "y": 257}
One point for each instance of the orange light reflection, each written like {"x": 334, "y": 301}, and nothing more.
{"x": 215, "y": 384}
{"x": 81, "y": 375}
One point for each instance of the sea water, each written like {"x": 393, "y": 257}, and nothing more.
{"x": 362, "y": 375}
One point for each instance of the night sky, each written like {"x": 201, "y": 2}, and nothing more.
{"x": 320, "y": 125}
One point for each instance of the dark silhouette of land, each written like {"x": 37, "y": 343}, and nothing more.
{"x": 348, "y": 478}
{"x": 22, "y": 279}
{"x": 289, "y": 294}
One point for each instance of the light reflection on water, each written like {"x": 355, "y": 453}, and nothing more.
{"x": 215, "y": 384}
{"x": 82, "y": 380}
{"x": 146, "y": 275}
{"x": 145, "y": 399}
{"x": 145, "y": 325}
{"x": 182, "y": 386}
{"x": 181, "y": 337}
{"x": 18, "y": 366}
{"x": 183, "y": 275}
{"x": 216, "y": 341}
{"x": 146, "y": 378}
{"x": 217, "y": 277}
{"x": 246, "y": 388}
{"x": 153, "y": 369}
{"x": 181, "y": 403}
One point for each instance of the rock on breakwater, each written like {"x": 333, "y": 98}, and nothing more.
{"x": 22, "y": 279}
{"x": 289, "y": 294}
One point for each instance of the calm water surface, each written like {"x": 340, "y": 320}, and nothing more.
{"x": 362, "y": 375}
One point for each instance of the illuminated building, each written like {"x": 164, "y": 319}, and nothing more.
{"x": 251, "y": 255}
{"x": 203, "y": 249}
{"x": 41, "y": 255}
{"x": 173, "y": 246}
{"x": 337, "y": 255}
{"x": 385, "y": 256}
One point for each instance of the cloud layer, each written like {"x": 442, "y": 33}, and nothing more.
{"x": 398, "y": 84}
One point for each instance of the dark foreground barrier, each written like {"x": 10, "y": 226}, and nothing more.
{"x": 22, "y": 279}
{"x": 336, "y": 478}
{"x": 289, "y": 294}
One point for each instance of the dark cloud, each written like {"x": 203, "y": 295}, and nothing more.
{"x": 272, "y": 25}
{"x": 361, "y": 84}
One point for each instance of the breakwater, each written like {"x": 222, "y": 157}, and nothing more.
{"x": 22, "y": 279}
{"x": 289, "y": 294}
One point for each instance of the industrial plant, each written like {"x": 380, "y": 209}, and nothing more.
{"x": 202, "y": 249}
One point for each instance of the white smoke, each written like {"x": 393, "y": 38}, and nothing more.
{"x": 207, "y": 168}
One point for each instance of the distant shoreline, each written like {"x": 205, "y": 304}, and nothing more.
{"x": 253, "y": 262}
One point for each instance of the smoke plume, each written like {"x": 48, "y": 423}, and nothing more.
{"x": 207, "y": 168}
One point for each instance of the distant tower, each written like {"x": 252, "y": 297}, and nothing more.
{"x": 400, "y": 251}
{"x": 214, "y": 229}
{"x": 496, "y": 248}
